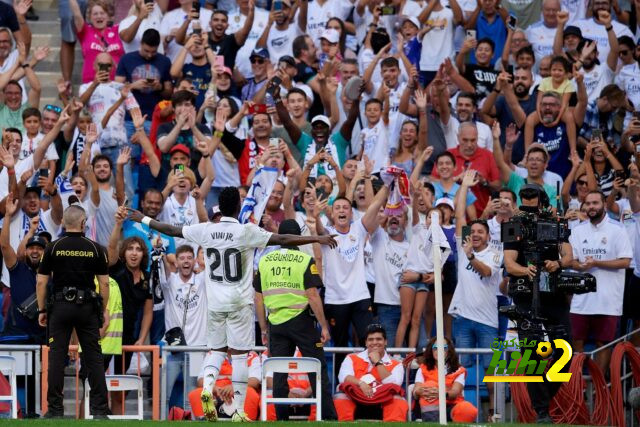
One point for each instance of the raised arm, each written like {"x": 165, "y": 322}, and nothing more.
{"x": 370, "y": 217}
{"x": 503, "y": 167}
{"x": 558, "y": 39}
{"x": 612, "y": 57}
{"x": 116, "y": 234}
{"x": 123, "y": 158}
{"x": 169, "y": 230}
{"x": 41, "y": 149}
{"x": 84, "y": 165}
{"x": 242, "y": 34}
{"x": 283, "y": 115}
{"x": 8, "y": 254}
{"x": 144, "y": 9}
{"x": 293, "y": 240}
{"x": 78, "y": 20}
{"x": 368, "y": 72}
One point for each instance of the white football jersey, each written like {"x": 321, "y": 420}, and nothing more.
{"x": 228, "y": 250}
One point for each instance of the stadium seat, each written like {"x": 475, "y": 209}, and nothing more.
{"x": 291, "y": 365}
{"x": 118, "y": 383}
{"x": 8, "y": 368}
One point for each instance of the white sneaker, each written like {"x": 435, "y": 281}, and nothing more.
{"x": 240, "y": 417}
{"x": 208, "y": 406}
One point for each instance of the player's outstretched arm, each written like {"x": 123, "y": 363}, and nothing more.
{"x": 293, "y": 240}
{"x": 169, "y": 230}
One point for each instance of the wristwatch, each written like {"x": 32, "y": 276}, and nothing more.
{"x": 472, "y": 257}
{"x": 378, "y": 363}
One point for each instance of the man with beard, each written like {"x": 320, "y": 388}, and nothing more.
{"x": 597, "y": 75}
{"x": 21, "y": 327}
{"x": 595, "y": 28}
{"x": 510, "y": 102}
{"x": 389, "y": 246}
{"x": 602, "y": 248}
{"x": 601, "y": 113}
{"x": 278, "y": 40}
{"x": 558, "y": 139}
{"x": 104, "y": 198}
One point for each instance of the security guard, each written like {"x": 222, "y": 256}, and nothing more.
{"x": 74, "y": 261}
{"x": 287, "y": 284}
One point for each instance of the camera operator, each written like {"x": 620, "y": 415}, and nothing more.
{"x": 553, "y": 308}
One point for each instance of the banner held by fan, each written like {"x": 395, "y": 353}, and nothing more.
{"x": 256, "y": 201}
{"x": 396, "y": 179}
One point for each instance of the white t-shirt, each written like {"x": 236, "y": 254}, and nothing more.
{"x": 577, "y": 9}
{"x": 541, "y": 38}
{"x": 495, "y": 240}
{"x": 228, "y": 249}
{"x": 397, "y": 373}
{"x": 30, "y": 145}
{"x": 343, "y": 267}
{"x": 236, "y": 22}
{"x": 389, "y": 256}
{"x": 596, "y": 79}
{"x": 279, "y": 42}
{"x": 105, "y": 95}
{"x": 594, "y": 31}
{"x": 173, "y": 20}
{"x": 376, "y": 144}
{"x": 475, "y": 296}
{"x": 485, "y": 137}
{"x": 154, "y": 20}
{"x": 396, "y": 118}
{"x": 421, "y": 259}
{"x": 318, "y": 15}
{"x": 180, "y": 215}
{"x": 628, "y": 79}
{"x": 193, "y": 294}
{"x": 603, "y": 242}
{"x": 437, "y": 44}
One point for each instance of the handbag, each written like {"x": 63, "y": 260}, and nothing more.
{"x": 175, "y": 336}
{"x": 29, "y": 307}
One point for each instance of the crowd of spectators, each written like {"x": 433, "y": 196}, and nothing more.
{"x": 183, "y": 98}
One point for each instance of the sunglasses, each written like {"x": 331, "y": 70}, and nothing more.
{"x": 54, "y": 108}
{"x": 444, "y": 347}
{"x": 255, "y": 60}
{"x": 581, "y": 182}
{"x": 624, "y": 52}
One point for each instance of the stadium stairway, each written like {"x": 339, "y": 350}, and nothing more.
{"x": 46, "y": 32}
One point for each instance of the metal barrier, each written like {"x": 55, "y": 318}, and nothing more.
{"x": 27, "y": 364}
{"x": 187, "y": 353}
{"x": 155, "y": 366}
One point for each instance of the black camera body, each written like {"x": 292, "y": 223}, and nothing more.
{"x": 566, "y": 282}
{"x": 531, "y": 228}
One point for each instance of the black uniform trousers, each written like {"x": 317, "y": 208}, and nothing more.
{"x": 558, "y": 326}
{"x": 63, "y": 318}
{"x": 301, "y": 331}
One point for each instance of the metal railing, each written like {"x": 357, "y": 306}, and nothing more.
{"x": 499, "y": 390}
{"x": 28, "y": 360}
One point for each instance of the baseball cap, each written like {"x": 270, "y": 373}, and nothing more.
{"x": 45, "y": 235}
{"x": 215, "y": 211}
{"x": 181, "y": 148}
{"x": 34, "y": 189}
{"x": 445, "y": 201}
{"x": 572, "y": 30}
{"x": 36, "y": 240}
{"x": 287, "y": 59}
{"x": 411, "y": 19}
{"x": 321, "y": 118}
{"x": 261, "y": 52}
{"x": 227, "y": 70}
{"x": 307, "y": 90}
{"x": 331, "y": 35}
{"x": 289, "y": 226}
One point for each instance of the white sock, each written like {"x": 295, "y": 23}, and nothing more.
{"x": 239, "y": 378}
{"x": 212, "y": 362}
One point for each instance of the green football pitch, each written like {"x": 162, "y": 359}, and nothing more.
{"x": 127, "y": 423}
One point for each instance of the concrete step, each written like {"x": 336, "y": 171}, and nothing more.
{"x": 40, "y": 5}
{"x": 46, "y": 13}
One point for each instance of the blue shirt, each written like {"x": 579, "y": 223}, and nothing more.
{"x": 496, "y": 31}
{"x": 451, "y": 194}
{"x": 134, "y": 67}
{"x": 131, "y": 229}
{"x": 412, "y": 49}
{"x": 200, "y": 75}
{"x": 557, "y": 144}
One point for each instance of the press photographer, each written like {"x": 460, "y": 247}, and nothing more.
{"x": 534, "y": 259}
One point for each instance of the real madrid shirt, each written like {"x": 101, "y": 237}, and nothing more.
{"x": 596, "y": 79}
{"x": 389, "y": 257}
{"x": 228, "y": 249}
{"x": 628, "y": 79}
{"x": 541, "y": 38}
{"x": 475, "y": 296}
{"x": 603, "y": 242}
{"x": 343, "y": 267}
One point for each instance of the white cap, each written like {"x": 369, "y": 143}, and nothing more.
{"x": 331, "y": 35}
{"x": 445, "y": 201}
{"x": 307, "y": 90}
{"x": 412, "y": 19}
{"x": 321, "y": 118}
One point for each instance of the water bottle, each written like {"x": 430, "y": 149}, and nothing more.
{"x": 209, "y": 113}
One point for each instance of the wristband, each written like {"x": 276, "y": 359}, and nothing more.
{"x": 609, "y": 28}
{"x": 495, "y": 89}
{"x": 217, "y": 134}
{"x": 146, "y": 221}
{"x": 11, "y": 171}
{"x": 27, "y": 65}
{"x": 43, "y": 311}
{"x": 378, "y": 363}
{"x": 206, "y": 157}
{"x": 472, "y": 257}
{"x": 54, "y": 193}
